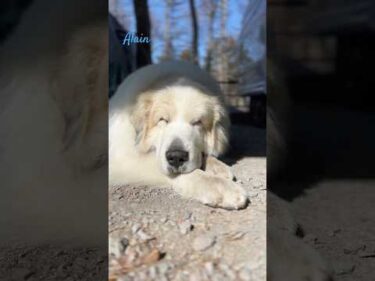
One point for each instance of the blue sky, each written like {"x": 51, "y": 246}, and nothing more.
{"x": 182, "y": 26}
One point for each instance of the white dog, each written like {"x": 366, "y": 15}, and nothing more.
{"x": 167, "y": 125}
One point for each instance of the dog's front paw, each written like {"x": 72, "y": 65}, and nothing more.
{"x": 234, "y": 197}
{"x": 227, "y": 195}
{"x": 211, "y": 190}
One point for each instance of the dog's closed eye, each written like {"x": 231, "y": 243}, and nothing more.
{"x": 163, "y": 120}
{"x": 197, "y": 123}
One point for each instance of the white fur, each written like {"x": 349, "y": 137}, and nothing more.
{"x": 43, "y": 197}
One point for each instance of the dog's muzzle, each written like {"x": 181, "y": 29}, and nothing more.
{"x": 176, "y": 156}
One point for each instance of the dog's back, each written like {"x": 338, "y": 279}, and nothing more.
{"x": 159, "y": 76}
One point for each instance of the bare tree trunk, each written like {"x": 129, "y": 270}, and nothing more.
{"x": 223, "y": 33}
{"x": 143, "y": 29}
{"x": 211, "y": 17}
{"x": 168, "y": 47}
{"x": 195, "y": 34}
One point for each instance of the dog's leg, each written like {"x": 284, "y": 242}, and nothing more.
{"x": 217, "y": 168}
{"x": 211, "y": 190}
{"x": 137, "y": 170}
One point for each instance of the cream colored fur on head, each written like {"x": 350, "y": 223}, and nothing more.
{"x": 162, "y": 108}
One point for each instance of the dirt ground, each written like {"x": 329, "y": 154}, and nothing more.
{"x": 333, "y": 197}
{"x": 157, "y": 235}
{"x": 338, "y": 226}
{"x": 31, "y": 263}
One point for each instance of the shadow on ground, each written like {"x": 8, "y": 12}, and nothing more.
{"x": 326, "y": 143}
{"x": 246, "y": 140}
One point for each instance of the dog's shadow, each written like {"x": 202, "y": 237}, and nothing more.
{"x": 246, "y": 140}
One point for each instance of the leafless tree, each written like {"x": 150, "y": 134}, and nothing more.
{"x": 143, "y": 29}
{"x": 210, "y": 10}
{"x": 195, "y": 31}
{"x": 223, "y": 33}
{"x": 168, "y": 52}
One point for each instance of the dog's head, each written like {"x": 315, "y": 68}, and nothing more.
{"x": 181, "y": 124}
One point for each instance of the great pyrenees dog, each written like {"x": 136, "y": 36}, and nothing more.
{"x": 167, "y": 126}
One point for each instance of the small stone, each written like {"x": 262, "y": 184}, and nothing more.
{"x": 80, "y": 261}
{"x": 123, "y": 278}
{"x": 334, "y": 232}
{"x": 203, "y": 242}
{"x": 142, "y": 276}
{"x": 195, "y": 276}
{"x": 163, "y": 268}
{"x": 153, "y": 272}
{"x": 228, "y": 272}
{"x": 124, "y": 242}
{"x": 131, "y": 255}
{"x": 310, "y": 238}
{"x": 162, "y": 278}
{"x": 21, "y": 273}
{"x": 117, "y": 246}
{"x": 135, "y": 228}
{"x": 163, "y": 219}
{"x": 143, "y": 236}
{"x": 235, "y": 235}
{"x": 354, "y": 249}
{"x": 342, "y": 268}
{"x": 185, "y": 227}
{"x": 209, "y": 267}
{"x": 245, "y": 274}
{"x": 133, "y": 242}
{"x": 187, "y": 216}
{"x": 171, "y": 223}
{"x": 145, "y": 221}
{"x": 254, "y": 195}
{"x": 218, "y": 276}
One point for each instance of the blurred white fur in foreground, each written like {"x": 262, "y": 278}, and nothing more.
{"x": 53, "y": 82}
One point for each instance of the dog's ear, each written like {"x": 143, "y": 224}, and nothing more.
{"x": 140, "y": 118}
{"x": 218, "y": 135}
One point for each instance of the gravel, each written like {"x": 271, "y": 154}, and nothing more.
{"x": 193, "y": 241}
{"x": 49, "y": 262}
{"x": 185, "y": 227}
{"x": 203, "y": 242}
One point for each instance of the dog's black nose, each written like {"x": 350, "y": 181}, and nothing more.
{"x": 176, "y": 158}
